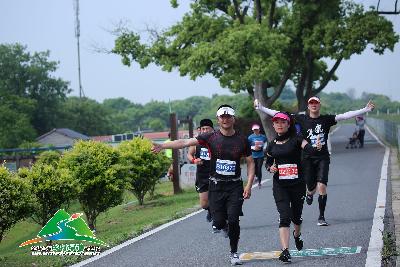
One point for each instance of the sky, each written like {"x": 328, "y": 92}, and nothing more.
{"x": 50, "y": 25}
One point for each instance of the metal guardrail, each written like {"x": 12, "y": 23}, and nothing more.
{"x": 387, "y": 130}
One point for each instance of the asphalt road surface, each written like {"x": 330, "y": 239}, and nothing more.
{"x": 352, "y": 193}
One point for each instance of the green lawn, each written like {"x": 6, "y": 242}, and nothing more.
{"x": 113, "y": 227}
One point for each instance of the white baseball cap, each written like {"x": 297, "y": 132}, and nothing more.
{"x": 255, "y": 127}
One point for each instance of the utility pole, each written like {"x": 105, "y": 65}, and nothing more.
{"x": 175, "y": 153}
{"x": 77, "y": 35}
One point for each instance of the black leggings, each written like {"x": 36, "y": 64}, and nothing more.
{"x": 289, "y": 202}
{"x": 258, "y": 166}
{"x": 225, "y": 202}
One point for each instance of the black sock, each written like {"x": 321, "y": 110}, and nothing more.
{"x": 234, "y": 234}
{"x": 322, "y": 204}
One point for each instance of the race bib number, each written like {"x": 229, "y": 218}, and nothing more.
{"x": 204, "y": 154}
{"x": 288, "y": 171}
{"x": 225, "y": 167}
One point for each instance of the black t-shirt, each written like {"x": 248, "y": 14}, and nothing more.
{"x": 311, "y": 128}
{"x": 287, "y": 158}
{"x": 203, "y": 154}
{"x": 225, "y": 152}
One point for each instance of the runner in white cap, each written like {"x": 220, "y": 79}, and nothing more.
{"x": 226, "y": 192}
{"x": 315, "y": 128}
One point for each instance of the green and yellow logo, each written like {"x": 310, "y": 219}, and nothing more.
{"x": 63, "y": 226}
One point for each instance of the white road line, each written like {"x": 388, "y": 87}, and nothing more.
{"x": 374, "y": 256}
{"x": 138, "y": 238}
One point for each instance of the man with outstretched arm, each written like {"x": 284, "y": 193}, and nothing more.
{"x": 226, "y": 192}
{"x": 315, "y": 128}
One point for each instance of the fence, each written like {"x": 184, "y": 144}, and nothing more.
{"x": 387, "y": 130}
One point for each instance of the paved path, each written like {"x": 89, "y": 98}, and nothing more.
{"x": 352, "y": 194}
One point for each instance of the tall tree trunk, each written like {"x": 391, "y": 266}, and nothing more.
{"x": 260, "y": 90}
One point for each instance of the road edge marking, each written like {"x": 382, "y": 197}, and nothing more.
{"x": 142, "y": 236}
{"x": 374, "y": 252}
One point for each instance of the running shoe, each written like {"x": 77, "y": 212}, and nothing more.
{"x": 298, "y": 241}
{"x": 322, "y": 222}
{"x": 215, "y": 230}
{"x": 285, "y": 256}
{"x": 259, "y": 185}
{"x": 309, "y": 199}
{"x": 208, "y": 216}
{"x": 235, "y": 259}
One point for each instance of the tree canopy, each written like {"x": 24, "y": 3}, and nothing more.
{"x": 258, "y": 46}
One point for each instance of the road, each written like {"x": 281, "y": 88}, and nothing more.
{"x": 352, "y": 194}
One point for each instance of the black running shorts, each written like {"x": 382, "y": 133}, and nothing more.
{"x": 226, "y": 200}
{"x": 315, "y": 171}
{"x": 202, "y": 182}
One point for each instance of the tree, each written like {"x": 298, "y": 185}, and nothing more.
{"x": 143, "y": 167}
{"x": 95, "y": 167}
{"x": 26, "y": 77}
{"x": 15, "y": 127}
{"x": 86, "y": 116}
{"x": 15, "y": 200}
{"x": 49, "y": 158}
{"x": 52, "y": 188}
{"x": 258, "y": 46}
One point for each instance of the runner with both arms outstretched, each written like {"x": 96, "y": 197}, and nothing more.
{"x": 316, "y": 127}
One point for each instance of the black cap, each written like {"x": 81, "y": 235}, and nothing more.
{"x": 206, "y": 122}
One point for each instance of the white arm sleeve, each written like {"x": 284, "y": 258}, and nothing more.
{"x": 351, "y": 114}
{"x": 269, "y": 112}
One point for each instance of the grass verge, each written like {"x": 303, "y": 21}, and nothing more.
{"x": 113, "y": 227}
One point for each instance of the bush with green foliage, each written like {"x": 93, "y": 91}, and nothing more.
{"x": 53, "y": 188}
{"x": 15, "y": 200}
{"x": 95, "y": 166}
{"x": 143, "y": 167}
{"x": 51, "y": 157}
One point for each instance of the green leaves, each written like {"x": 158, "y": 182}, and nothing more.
{"x": 96, "y": 169}
{"x": 143, "y": 168}
{"x": 15, "y": 200}
{"x": 52, "y": 187}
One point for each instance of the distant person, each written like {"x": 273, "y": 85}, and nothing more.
{"x": 315, "y": 127}
{"x": 256, "y": 142}
{"x": 198, "y": 130}
{"x": 168, "y": 153}
{"x": 200, "y": 156}
{"x": 226, "y": 192}
{"x": 360, "y": 122}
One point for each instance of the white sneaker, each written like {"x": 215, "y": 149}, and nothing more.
{"x": 235, "y": 259}
{"x": 215, "y": 230}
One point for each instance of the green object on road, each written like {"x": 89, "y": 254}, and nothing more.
{"x": 302, "y": 253}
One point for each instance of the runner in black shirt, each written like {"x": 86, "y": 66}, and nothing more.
{"x": 226, "y": 192}
{"x": 200, "y": 156}
{"x": 315, "y": 128}
{"x": 284, "y": 161}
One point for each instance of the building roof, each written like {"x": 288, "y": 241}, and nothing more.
{"x": 66, "y": 132}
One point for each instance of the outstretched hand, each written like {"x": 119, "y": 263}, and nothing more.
{"x": 370, "y": 105}
{"x": 156, "y": 148}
